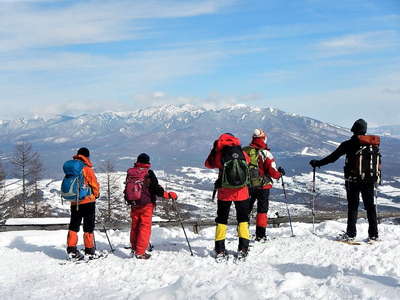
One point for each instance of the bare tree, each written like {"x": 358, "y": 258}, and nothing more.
{"x": 23, "y": 158}
{"x": 34, "y": 175}
{"x": 111, "y": 188}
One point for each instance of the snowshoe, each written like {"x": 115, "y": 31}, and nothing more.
{"x": 221, "y": 256}
{"x": 345, "y": 238}
{"x": 143, "y": 256}
{"x": 372, "y": 240}
{"x": 263, "y": 239}
{"x": 241, "y": 256}
{"x": 75, "y": 255}
{"x": 96, "y": 255}
{"x": 149, "y": 248}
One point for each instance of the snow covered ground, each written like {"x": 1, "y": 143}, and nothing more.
{"x": 300, "y": 267}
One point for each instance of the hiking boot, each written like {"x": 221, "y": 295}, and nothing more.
{"x": 242, "y": 254}
{"x": 90, "y": 251}
{"x": 221, "y": 256}
{"x": 263, "y": 239}
{"x": 143, "y": 256}
{"x": 373, "y": 239}
{"x": 344, "y": 237}
{"x": 74, "y": 253}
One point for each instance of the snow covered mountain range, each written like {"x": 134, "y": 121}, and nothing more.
{"x": 177, "y": 136}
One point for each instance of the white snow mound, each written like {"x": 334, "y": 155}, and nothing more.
{"x": 301, "y": 267}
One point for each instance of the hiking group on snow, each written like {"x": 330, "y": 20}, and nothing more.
{"x": 245, "y": 176}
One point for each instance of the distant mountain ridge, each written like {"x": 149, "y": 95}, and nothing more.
{"x": 173, "y": 135}
{"x": 388, "y": 130}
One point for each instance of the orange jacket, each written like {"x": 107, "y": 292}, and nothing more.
{"x": 90, "y": 179}
{"x": 214, "y": 162}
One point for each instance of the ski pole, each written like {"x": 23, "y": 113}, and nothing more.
{"x": 105, "y": 230}
{"x": 287, "y": 206}
{"x": 313, "y": 202}
{"x": 180, "y": 221}
{"x": 213, "y": 195}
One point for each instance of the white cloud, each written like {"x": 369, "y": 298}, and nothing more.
{"x": 357, "y": 43}
{"x": 344, "y": 106}
{"x": 72, "y": 77}
{"x": 26, "y": 25}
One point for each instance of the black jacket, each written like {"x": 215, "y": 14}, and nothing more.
{"x": 349, "y": 147}
{"x": 154, "y": 188}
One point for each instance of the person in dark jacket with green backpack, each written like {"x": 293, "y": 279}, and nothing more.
{"x": 227, "y": 156}
{"x": 362, "y": 172}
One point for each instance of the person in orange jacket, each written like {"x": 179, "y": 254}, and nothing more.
{"x": 142, "y": 210}
{"x": 227, "y": 195}
{"x": 85, "y": 209}
{"x": 263, "y": 163}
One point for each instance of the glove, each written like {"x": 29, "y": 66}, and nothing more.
{"x": 314, "y": 163}
{"x": 172, "y": 195}
{"x": 282, "y": 171}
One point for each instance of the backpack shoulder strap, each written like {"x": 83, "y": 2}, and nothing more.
{"x": 263, "y": 154}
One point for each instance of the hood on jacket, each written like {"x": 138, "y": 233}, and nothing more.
{"x": 85, "y": 159}
{"x": 227, "y": 139}
{"x": 259, "y": 143}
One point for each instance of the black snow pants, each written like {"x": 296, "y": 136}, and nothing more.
{"x": 353, "y": 190}
{"x": 87, "y": 212}
{"x": 242, "y": 217}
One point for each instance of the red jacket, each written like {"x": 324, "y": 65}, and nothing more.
{"x": 90, "y": 179}
{"x": 266, "y": 163}
{"x": 214, "y": 162}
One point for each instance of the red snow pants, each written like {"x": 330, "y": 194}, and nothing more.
{"x": 141, "y": 227}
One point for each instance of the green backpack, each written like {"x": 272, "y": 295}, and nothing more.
{"x": 235, "y": 172}
{"x": 256, "y": 180}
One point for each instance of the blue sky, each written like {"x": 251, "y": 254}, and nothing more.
{"x": 332, "y": 60}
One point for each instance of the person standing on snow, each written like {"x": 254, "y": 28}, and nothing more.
{"x": 142, "y": 206}
{"x": 262, "y": 171}
{"x": 357, "y": 182}
{"x": 85, "y": 209}
{"x": 228, "y": 157}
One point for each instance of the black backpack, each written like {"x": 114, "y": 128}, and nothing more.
{"x": 365, "y": 164}
{"x": 235, "y": 171}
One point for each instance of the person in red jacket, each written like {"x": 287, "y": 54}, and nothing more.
{"x": 142, "y": 212}
{"x": 86, "y": 210}
{"x": 227, "y": 195}
{"x": 264, "y": 166}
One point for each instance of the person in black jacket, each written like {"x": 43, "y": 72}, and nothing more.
{"x": 355, "y": 186}
{"x": 142, "y": 209}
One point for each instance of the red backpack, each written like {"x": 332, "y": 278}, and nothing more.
{"x": 137, "y": 183}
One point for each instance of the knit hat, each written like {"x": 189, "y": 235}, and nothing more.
{"x": 143, "y": 158}
{"x": 259, "y": 133}
{"x": 84, "y": 151}
{"x": 359, "y": 127}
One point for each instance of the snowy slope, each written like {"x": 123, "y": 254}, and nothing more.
{"x": 303, "y": 267}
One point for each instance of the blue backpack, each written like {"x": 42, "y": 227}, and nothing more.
{"x": 73, "y": 186}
